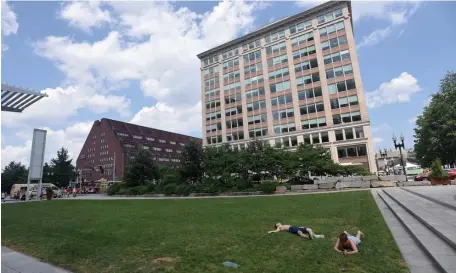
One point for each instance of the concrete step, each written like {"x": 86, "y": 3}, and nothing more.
{"x": 432, "y": 198}
{"x": 443, "y": 255}
{"x": 435, "y": 217}
{"x": 417, "y": 259}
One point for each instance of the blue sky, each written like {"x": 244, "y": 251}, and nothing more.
{"x": 137, "y": 62}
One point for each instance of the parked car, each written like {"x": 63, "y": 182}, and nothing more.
{"x": 425, "y": 176}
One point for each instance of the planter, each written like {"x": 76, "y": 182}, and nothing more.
{"x": 441, "y": 181}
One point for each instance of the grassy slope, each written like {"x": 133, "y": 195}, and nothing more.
{"x": 199, "y": 234}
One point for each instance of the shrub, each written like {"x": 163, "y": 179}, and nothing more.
{"x": 150, "y": 188}
{"x": 183, "y": 189}
{"x": 437, "y": 171}
{"x": 114, "y": 188}
{"x": 300, "y": 180}
{"x": 267, "y": 187}
{"x": 169, "y": 189}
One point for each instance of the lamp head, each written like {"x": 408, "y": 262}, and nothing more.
{"x": 402, "y": 138}
{"x": 394, "y": 138}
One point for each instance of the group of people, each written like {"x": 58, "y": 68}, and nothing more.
{"x": 346, "y": 243}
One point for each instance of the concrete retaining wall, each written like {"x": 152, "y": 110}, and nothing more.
{"x": 400, "y": 178}
{"x": 281, "y": 189}
{"x": 310, "y": 187}
{"x": 329, "y": 185}
{"x": 383, "y": 184}
{"x": 414, "y": 183}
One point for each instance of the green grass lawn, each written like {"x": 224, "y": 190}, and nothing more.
{"x": 198, "y": 235}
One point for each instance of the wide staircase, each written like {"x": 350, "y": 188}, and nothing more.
{"x": 430, "y": 222}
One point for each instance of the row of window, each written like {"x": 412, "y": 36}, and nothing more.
{"x": 214, "y": 139}
{"x": 277, "y": 48}
{"x": 253, "y": 80}
{"x": 253, "y": 68}
{"x": 235, "y": 136}
{"x": 233, "y": 111}
{"x": 213, "y": 92}
{"x": 234, "y": 123}
{"x": 279, "y": 87}
{"x": 344, "y": 102}
{"x": 283, "y": 114}
{"x": 303, "y": 52}
{"x": 233, "y": 98}
{"x": 281, "y": 100}
{"x": 232, "y": 87}
{"x": 213, "y": 115}
{"x": 104, "y": 147}
{"x": 310, "y": 93}
{"x": 356, "y": 151}
{"x": 235, "y": 75}
{"x": 211, "y": 83}
{"x": 308, "y": 79}
{"x": 103, "y": 152}
{"x": 211, "y": 70}
{"x": 312, "y": 108}
{"x": 260, "y": 132}
{"x": 212, "y": 104}
{"x": 334, "y": 42}
{"x": 341, "y": 86}
{"x": 282, "y": 59}
{"x": 336, "y": 57}
{"x": 211, "y": 60}
{"x": 255, "y": 93}
{"x": 316, "y": 138}
{"x": 339, "y": 71}
{"x": 329, "y": 16}
{"x": 306, "y": 65}
{"x": 330, "y": 29}
{"x": 230, "y": 53}
{"x": 313, "y": 123}
{"x": 300, "y": 27}
{"x": 251, "y": 45}
{"x": 347, "y": 134}
{"x": 284, "y": 128}
{"x": 347, "y": 117}
{"x": 230, "y": 64}
{"x": 278, "y": 74}
{"x": 257, "y": 119}
{"x": 252, "y": 56}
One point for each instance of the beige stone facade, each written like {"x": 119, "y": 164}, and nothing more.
{"x": 296, "y": 80}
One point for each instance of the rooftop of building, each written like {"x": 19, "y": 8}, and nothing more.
{"x": 141, "y": 130}
{"x": 274, "y": 25}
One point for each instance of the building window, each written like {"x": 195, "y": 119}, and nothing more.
{"x": 310, "y": 93}
{"x": 211, "y": 60}
{"x": 169, "y": 150}
{"x": 213, "y": 127}
{"x": 281, "y": 100}
{"x": 300, "y": 27}
{"x": 279, "y": 87}
{"x": 339, "y": 71}
{"x": 234, "y": 123}
{"x": 157, "y": 149}
{"x": 233, "y": 111}
{"x": 359, "y": 132}
{"x": 260, "y": 132}
{"x": 312, "y": 108}
{"x": 283, "y": 59}
{"x": 275, "y": 36}
{"x": 253, "y": 80}
{"x": 210, "y": 70}
{"x": 347, "y": 117}
{"x": 302, "y": 39}
{"x": 150, "y": 138}
{"x": 230, "y": 53}
{"x": 355, "y": 151}
{"x": 162, "y": 141}
{"x": 258, "y": 67}
{"x": 129, "y": 145}
{"x": 283, "y": 114}
{"x": 137, "y": 137}
{"x": 252, "y": 56}
{"x": 145, "y": 147}
{"x": 313, "y": 123}
{"x": 336, "y": 57}
{"x": 324, "y": 137}
{"x": 212, "y": 104}
{"x": 316, "y": 138}
{"x": 304, "y": 66}
{"x": 214, "y": 139}
{"x": 342, "y": 86}
{"x": 256, "y": 105}
{"x": 123, "y": 134}
{"x": 233, "y": 98}
{"x": 307, "y": 79}
{"x": 251, "y": 45}
{"x": 257, "y": 119}
{"x": 278, "y": 74}
{"x": 334, "y": 42}
{"x": 232, "y": 76}
{"x": 339, "y": 26}
{"x": 230, "y": 64}
{"x": 235, "y": 136}
{"x": 349, "y": 133}
{"x": 210, "y": 116}
{"x": 211, "y": 83}
{"x": 255, "y": 93}
{"x": 303, "y": 52}
{"x": 284, "y": 128}
{"x": 306, "y": 139}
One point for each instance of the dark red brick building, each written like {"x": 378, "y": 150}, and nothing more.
{"x": 111, "y": 144}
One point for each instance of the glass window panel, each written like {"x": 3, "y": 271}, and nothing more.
{"x": 322, "y": 32}
{"x": 342, "y": 40}
{"x": 317, "y": 91}
{"x": 305, "y": 124}
{"x": 320, "y": 107}
{"x": 335, "y": 57}
{"x": 356, "y": 116}
{"x": 302, "y": 95}
{"x": 315, "y": 77}
{"x": 362, "y": 151}
{"x": 339, "y": 26}
{"x": 321, "y": 19}
{"x": 327, "y": 59}
{"x": 332, "y": 89}
{"x": 321, "y": 122}
{"x": 337, "y": 119}
{"x": 345, "y": 55}
{"x": 331, "y": 29}
{"x": 350, "y": 84}
{"x": 325, "y": 45}
{"x": 329, "y": 74}
{"x": 288, "y": 98}
{"x": 349, "y": 134}
{"x": 339, "y": 135}
{"x": 315, "y": 138}
{"x": 338, "y": 13}
{"x": 329, "y": 16}
{"x": 338, "y": 71}
{"x": 324, "y": 137}
{"x": 346, "y": 117}
{"x": 343, "y": 102}
{"x": 313, "y": 123}
{"x": 303, "y": 110}
{"x": 353, "y": 100}
{"x": 351, "y": 152}
{"x": 333, "y": 42}
{"x": 341, "y": 86}
{"x": 334, "y": 103}
{"x": 306, "y": 139}
{"x": 341, "y": 152}
{"x": 348, "y": 69}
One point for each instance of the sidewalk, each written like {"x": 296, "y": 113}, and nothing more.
{"x": 15, "y": 262}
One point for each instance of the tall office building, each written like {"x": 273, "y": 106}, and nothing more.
{"x": 296, "y": 80}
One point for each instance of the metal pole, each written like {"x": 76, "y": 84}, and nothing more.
{"x": 114, "y": 168}
{"x": 402, "y": 161}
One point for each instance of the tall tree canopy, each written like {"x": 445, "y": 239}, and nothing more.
{"x": 13, "y": 173}
{"x": 192, "y": 162}
{"x": 435, "y": 131}
{"x": 62, "y": 169}
{"x": 141, "y": 169}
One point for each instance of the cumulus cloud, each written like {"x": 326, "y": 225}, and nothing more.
{"x": 72, "y": 138}
{"x": 413, "y": 120}
{"x": 84, "y": 15}
{"x": 9, "y": 20}
{"x": 377, "y": 140}
{"x": 398, "y": 90}
{"x": 374, "y": 38}
{"x": 381, "y": 128}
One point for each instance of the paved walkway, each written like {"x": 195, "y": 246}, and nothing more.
{"x": 15, "y": 262}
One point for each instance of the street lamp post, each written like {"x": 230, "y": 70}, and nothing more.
{"x": 400, "y": 146}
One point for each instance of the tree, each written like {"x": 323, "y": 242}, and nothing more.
{"x": 141, "y": 170}
{"x": 13, "y": 173}
{"x": 62, "y": 168}
{"x": 435, "y": 129}
{"x": 48, "y": 173}
{"x": 192, "y": 162}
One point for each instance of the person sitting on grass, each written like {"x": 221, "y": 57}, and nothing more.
{"x": 300, "y": 231}
{"x": 347, "y": 244}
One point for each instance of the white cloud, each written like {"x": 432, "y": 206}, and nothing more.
{"x": 413, "y": 120}
{"x": 85, "y": 15}
{"x": 63, "y": 103}
{"x": 164, "y": 117}
{"x": 377, "y": 140}
{"x": 5, "y": 47}
{"x": 375, "y": 37}
{"x": 9, "y": 20}
{"x": 398, "y": 90}
{"x": 72, "y": 138}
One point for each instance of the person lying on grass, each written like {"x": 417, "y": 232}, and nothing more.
{"x": 300, "y": 231}
{"x": 347, "y": 244}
